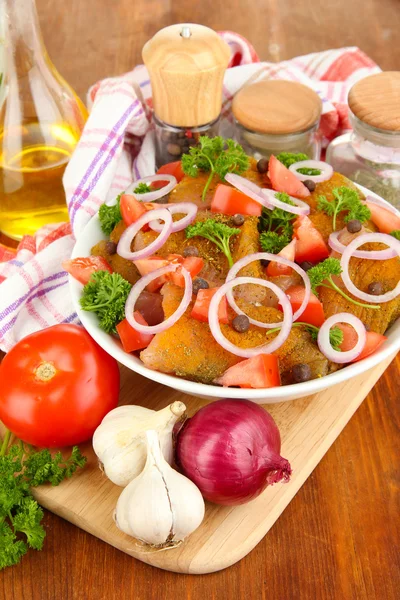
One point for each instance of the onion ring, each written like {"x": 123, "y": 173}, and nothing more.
{"x": 325, "y": 168}
{"x": 124, "y": 244}
{"x": 324, "y": 342}
{"x": 138, "y": 288}
{"x": 247, "y": 187}
{"x": 300, "y": 208}
{"x": 337, "y": 246}
{"x": 156, "y": 194}
{"x": 383, "y": 238}
{"x": 181, "y": 207}
{"x": 243, "y": 262}
{"x": 215, "y": 327}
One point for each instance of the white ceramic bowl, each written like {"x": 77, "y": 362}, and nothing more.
{"x": 93, "y": 234}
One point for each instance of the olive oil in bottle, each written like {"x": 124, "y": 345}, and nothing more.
{"x": 41, "y": 120}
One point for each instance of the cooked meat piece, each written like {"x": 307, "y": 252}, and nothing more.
{"x": 120, "y": 265}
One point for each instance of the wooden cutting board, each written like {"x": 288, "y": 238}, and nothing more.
{"x": 308, "y": 427}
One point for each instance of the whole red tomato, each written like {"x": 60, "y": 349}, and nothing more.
{"x": 56, "y": 386}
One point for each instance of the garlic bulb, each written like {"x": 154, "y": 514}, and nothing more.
{"x": 160, "y": 506}
{"x": 120, "y": 442}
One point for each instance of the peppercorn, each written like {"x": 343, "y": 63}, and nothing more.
{"x": 306, "y": 265}
{"x": 174, "y": 149}
{"x": 301, "y": 372}
{"x": 111, "y": 248}
{"x": 241, "y": 323}
{"x": 238, "y": 220}
{"x": 262, "y": 165}
{"x": 199, "y": 284}
{"x": 190, "y": 251}
{"x": 264, "y": 262}
{"x": 375, "y": 288}
{"x": 310, "y": 185}
{"x": 354, "y": 226}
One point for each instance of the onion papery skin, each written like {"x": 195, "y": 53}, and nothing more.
{"x": 231, "y": 450}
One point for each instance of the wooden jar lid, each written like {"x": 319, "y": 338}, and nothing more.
{"x": 375, "y": 100}
{"x": 186, "y": 63}
{"x": 277, "y": 106}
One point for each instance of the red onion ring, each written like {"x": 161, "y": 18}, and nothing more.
{"x": 300, "y": 208}
{"x": 324, "y": 342}
{"x": 336, "y": 245}
{"x": 326, "y": 170}
{"x": 382, "y": 204}
{"x": 215, "y": 327}
{"x": 138, "y": 288}
{"x": 156, "y": 194}
{"x": 243, "y": 262}
{"x": 124, "y": 244}
{"x": 247, "y": 187}
{"x": 181, "y": 207}
{"x": 383, "y": 238}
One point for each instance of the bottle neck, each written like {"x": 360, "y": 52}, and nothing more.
{"x": 23, "y": 39}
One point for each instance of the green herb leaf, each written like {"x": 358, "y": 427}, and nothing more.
{"x": 278, "y": 220}
{"x": 142, "y": 188}
{"x": 289, "y": 158}
{"x": 219, "y": 233}
{"x": 335, "y": 334}
{"x": 272, "y": 242}
{"x": 212, "y": 155}
{"x": 106, "y": 295}
{"x": 344, "y": 198}
{"x": 110, "y": 216}
{"x": 308, "y": 171}
{"x": 396, "y": 234}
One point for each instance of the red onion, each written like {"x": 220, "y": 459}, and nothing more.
{"x": 231, "y": 450}
{"x": 366, "y": 238}
{"x": 124, "y": 244}
{"x": 300, "y": 208}
{"x": 215, "y": 326}
{"x": 181, "y": 207}
{"x": 337, "y": 246}
{"x": 138, "y": 288}
{"x": 324, "y": 343}
{"x": 326, "y": 170}
{"x": 243, "y": 262}
{"x": 156, "y": 194}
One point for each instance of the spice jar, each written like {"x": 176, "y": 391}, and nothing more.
{"x": 186, "y": 64}
{"x": 370, "y": 154}
{"x": 273, "y": 116}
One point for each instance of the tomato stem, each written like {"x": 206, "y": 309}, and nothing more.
{"x": 5, "y": 442}
{"x": 45, "y": 371}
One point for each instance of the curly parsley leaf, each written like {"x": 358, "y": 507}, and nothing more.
{"x": 396, "y": 234}
{"x": 308, "y": 171}
{"x": 219, "y": 233}
{"x": 272, "y": 242}
{"x": 289, "y": 158}
{"x": 106, "y": 295}
{"x": 344, "y": 198}
{"x": 335, "y": 334}
{"x": 278, "y": 220}
{"x": 110, "y": 216}
{"x": 216, "y": 155}
{"x": 142, "y": 188}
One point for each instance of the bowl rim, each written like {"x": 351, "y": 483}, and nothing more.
{"x": 273, "y": 394}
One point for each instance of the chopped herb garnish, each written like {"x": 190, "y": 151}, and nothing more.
{"x": 110, "y": 216}
{"x": 106, "y": 295}
{"x": 289, "y": 158}
{"x": 344, "y": 198}
{"x": 216, "y": 155}
{"x": 142, "y": 188}
{"x": 308, "y": 171}
{"x": 219, "y": 233}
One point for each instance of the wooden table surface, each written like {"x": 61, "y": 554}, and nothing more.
{"x": 339, "y": 537}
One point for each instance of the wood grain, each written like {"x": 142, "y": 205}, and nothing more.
{"x": 338, "y": 539}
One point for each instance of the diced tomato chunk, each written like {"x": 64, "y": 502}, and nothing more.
{"x": 261, "y": 371}
{"x": 193, "y": 264}
{"x": 385, "y": 220}
{"x": 373, "y": 342}
{"x": 275, "y": 269}
{"x": 310, "y": 244}
{"x": 130, "y": 338}
{"x": 202, "y": 304}
{"x": 229, "y": 201}
{"x": 131, "y": 209}
{"x": 314, "y": 311}
{"x": 150, "y": 264}
{"x": 81, "y": 269}
{"x": 172, "y": 168}
{"x": 283, "y": 180}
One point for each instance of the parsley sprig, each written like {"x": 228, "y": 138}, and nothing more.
{"x": 277, "y": 220}
{"x": 142, "y": 188}
{"x": 273, "y": 242}
{"x": 321, "y": 276}
{"x": 110, "y": 216}
{"x": 289, "y": 158}
{"x": 344, "y": 198}
{"x": 216, "y": 155}
{"x": 106, "y": 295}
{"x": 219, "y": 233}
{"x": 396, "y": 234}
{"x": 335, "y": 334}
{"x": 22, "y": 468}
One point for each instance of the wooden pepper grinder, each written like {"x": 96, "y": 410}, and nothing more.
{"x": 186, "y": 63}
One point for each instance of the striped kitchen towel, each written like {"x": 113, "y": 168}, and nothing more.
{"x": 117, "y": 147}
